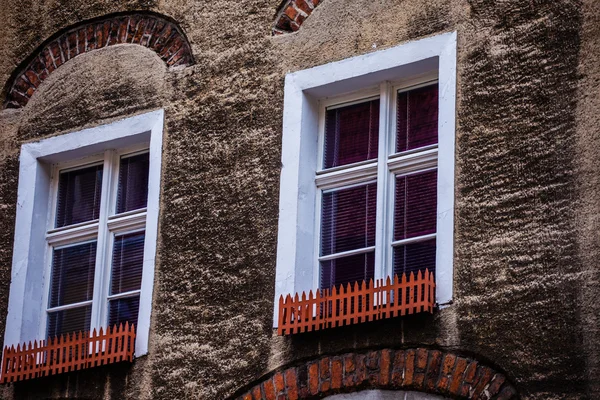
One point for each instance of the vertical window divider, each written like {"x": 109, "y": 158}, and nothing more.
{"x": 385, "y": 124}
{"x": 98, "y": 311}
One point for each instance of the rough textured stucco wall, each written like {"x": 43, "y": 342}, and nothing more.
{"x": 525, "y": 242}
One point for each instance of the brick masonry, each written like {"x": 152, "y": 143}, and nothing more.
{"x": 161, "y": 36}
{"x": 292, "y": 14}
{"x": 424, "y": 370}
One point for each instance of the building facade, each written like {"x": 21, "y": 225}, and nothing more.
{"x": 184, "y": 165}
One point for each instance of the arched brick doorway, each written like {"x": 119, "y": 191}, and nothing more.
{"x": 398, "y": 372}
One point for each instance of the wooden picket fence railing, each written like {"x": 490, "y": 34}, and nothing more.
{"x": 72, "y": 352}
{"x": 353, "y": 304}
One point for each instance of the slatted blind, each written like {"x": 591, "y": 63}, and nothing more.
{"x": 415, "y": 215}
{"x": 69, "y": 321}
{"x": 351, "y": 134}
{"x": 79, "y": 193}
{"x": 127, "y": 263}
{"x": 417, "y": 118}
{"x": 72, "y": 277}
{"x": 347, "y": 269}
{"x": 124, "y": 310}
{"x": 132, "y": 193}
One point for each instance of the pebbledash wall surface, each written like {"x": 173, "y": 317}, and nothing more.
{"x": 524, "y": 317}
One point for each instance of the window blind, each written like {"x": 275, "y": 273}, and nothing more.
{"x": 415, "y": 211}
{"x": 127, "y": 263}
{"x": 69, "y": 321}
{"x": 72, "y": 276}
{"x": 78, "y": 197}
{"x": 417, "y": 118}
{"x": 132, "y": 193}
{"x": 350, "y": 269}
{"x": 351, "y": 134}
{"x": 124, "y": 310}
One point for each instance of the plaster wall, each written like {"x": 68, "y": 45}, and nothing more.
{"x": 526, "y": 200}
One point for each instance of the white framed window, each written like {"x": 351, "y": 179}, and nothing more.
{"x": 86, "y": 228}
{"x": 367, "y": 183}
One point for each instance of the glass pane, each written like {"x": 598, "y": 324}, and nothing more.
{"x": 72, "y": 279}
{"x": 123, "y": 310}
{"x": 79, "y": 196}
{"x": 68, "y": 321}
{"x": 417, "y": 118}
{"x": 347, "y": 270}
{"x": 415, "y": 257}
{"x": 348, "y": 219}
{"x": 127, "y": 263}
{"x": 351, "y": 134}
{"x": 133, "y": 183}
{"x": 415, "y": 211}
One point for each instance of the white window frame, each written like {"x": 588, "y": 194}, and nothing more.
{"x": 32, "y": 250}
{"x": 307, "y": 93}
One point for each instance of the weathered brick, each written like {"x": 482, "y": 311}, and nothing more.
{"x": 507, "y": 393}
{"x": 291, "y": 12}
{"x": 132, "y": 28}
{"x": 398, "y": 368}
{"x": 123, "y": 28}
{"x": 484, "y": 377}
{"x": 248, "y": 396}
{"x": 315, "y": 2}
{"x": 48, "y": 61}
{"x": 64, "y": 48}
{"x": 302, "y": 373}
{"x": 336, "y": 373}
{"x": 421, "y": 361}
{"x": 156, "y": 31}
{"x": 495, "y": 385}
{"x": 349, "y": 370}
{"x": 33, "y": 78}
{"x": 284, "y": 23}
{"x": 100, "y": 39}
{"x": 105, "y": 32}
{"x": 113, "y": 36}
{"x": 269, "y": 389}
{"x": 447, "y": 367}
{"x": 385, "y": 365}
{"x": 150, "y": 24}
{"x": 56, "y": 53}
{"x": 18, "y": 98}
{"x": 409, "y": 367}
{"x": 139, "y": 32}
{"x": 373, "y": 360}
{"x": 279, "y": 382}
{"x": 324, "y": 367}
{"x": 303, "y": 5}
{"x": 433, "y": 369}
{"x": 361, "y": 369}
{"x": 257, "y": 393}
{"x": 291, "y": 383}
{"x": 37, "y": 65}
{"x": 90, "y": 37}
{"x": 457, "y": 376}
{"x": 470, "y": 372}
{"x": 313, "y": 378}
{"x": 81, "y": 34}
{"x": 73, "y": 48}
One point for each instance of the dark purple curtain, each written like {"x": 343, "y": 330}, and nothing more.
{"x": 351, "y": 134}
{"x": 417, "y": 120}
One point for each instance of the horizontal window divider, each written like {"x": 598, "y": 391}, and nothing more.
{"x": 353, "y": 102}
{"x": 126, "y": 223}
{"x": 414, "y": 239}
{"x": 73, "y": 234}
{"x": 414, "y": 162}
{"x": 70, "y": 306}
{"x": 124, "y": 295}
{"x": 413, "y": 151}
{"x": 127, "y": 214}
{"x": 347, "y": 253}
{"x": 347, "y": 176}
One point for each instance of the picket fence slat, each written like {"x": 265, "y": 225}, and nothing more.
{"x": 356, "y": 303}
{"x": 73, "y": 352}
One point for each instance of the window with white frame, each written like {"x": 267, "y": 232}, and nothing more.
{"x": 96, "y": 237}
{"x": 86, "y": 230}
{"x": 367, "y": 180}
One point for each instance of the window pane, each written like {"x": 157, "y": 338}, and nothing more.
{"x": 415, "y": 212}
{"x": 68, "y": 321}
{"x": 348, "y": 219}
{"x": 351, "y": 134}
{"x": 133, "y": 183}
{"x": 123, "y": 310}
{"x": 79, "y": 196}
{"x": 127, "y": 263}
{"x": 347, "y": 270}
{"x": 414, "y": 257}
{"x": 72, "y": 279}
{"x": 417, "y": 118}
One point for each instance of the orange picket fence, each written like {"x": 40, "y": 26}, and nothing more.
{"x": 357, "y": 303}
{"x": 68, "y": 353}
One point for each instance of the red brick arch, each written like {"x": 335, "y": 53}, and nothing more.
{"x": 153, "y": 31}
{"x": 291, "y": 14}
{"x": 425, "y": 370}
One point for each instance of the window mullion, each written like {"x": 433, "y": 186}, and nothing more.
{"x": 103, "y": 250}
{"x": 382, "y": 270}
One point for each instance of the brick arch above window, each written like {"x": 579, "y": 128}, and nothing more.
{"x": 153, "y": 31}
{"x": 423, "y": 370}
{"x": 291, "y": 14}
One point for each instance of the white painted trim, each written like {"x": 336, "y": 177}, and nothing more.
{"x": 30, "y": 278}
{"x": 348, "y": 176}
{"x": 301, "y": 154}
